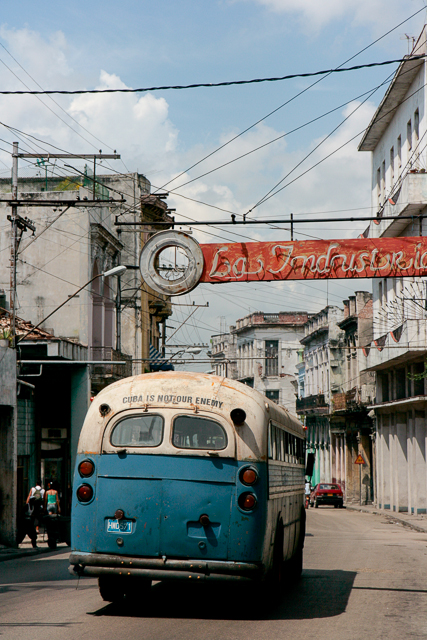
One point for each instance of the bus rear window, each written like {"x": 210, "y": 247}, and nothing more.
{"x": 191, "y": 432}
{"x": 138, "y": 431}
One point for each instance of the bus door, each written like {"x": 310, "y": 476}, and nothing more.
{"x": 163, "y": 496}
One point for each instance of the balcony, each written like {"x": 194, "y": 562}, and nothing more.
{"x": 409, "y": 199}
{"x": 160, "y": 306}
{"x": 103, "y": 374}
{"x": 389, "y": 351}
{"x": 312, "y": 404}
{"x": 348, "y": 401}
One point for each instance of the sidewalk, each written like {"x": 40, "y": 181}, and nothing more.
{"x": 416, "y": 522}
{"x": 25, "y": 549}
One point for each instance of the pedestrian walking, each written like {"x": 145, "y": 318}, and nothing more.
{"x": 51, "y": 500}
{"x": 307, "y": 493}
{"x": 35, "y": 504}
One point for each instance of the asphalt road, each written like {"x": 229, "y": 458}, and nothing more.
{"x": 363, "y": 578}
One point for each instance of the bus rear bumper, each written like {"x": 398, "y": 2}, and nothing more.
{"x": 101, "y": 564}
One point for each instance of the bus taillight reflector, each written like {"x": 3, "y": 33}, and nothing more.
{"x": 248, "y": 476}
{"x": 85, "y": 493}
{"x": 247, "y": 501}
{"x": 86, "y": 468}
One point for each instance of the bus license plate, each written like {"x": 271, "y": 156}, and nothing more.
{"x": 119, "y": 526}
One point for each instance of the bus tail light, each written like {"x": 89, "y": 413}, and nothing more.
{"x": 85, "y": 493}
{"x": 247, "y": 501}
{"x": 86, "y": 468}
{"x": 248, "y": 476}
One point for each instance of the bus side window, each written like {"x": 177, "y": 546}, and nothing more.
{"x": 278, "y": 444}
{"x": 273, "y": 441}
{"x": 300, "y": 451}
{"x": 270, "y": 442}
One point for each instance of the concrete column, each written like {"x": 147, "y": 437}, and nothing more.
{"x": 80, "y": 398}
{"x": 419, "y": 462}
{"x": 8, "y": 447}
{"x": 401, "y": 477}
{"x": 378, "y": 465}
{"x": 384, "y": 485}
{"x": 8, "y": 486}
{"x": 327, "y": 463}
{"x": 410, "y": 466}
{"x": 391, "y": 470}
{"x": 334, "y": 457}
{"x": 344, "y": 464}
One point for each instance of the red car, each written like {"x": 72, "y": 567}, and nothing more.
{"x": 327, "y": 494}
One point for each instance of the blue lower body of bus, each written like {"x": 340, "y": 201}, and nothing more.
{"x": 184, "y": 517}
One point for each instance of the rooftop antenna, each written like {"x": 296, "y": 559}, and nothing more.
{"x": 410, "y": 40}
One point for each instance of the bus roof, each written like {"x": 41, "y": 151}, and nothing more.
{"x": 185, "y": 390}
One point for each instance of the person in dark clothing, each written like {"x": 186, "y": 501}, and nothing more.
{"x": 35, "y": 502}
{"x": 26, "y": 526}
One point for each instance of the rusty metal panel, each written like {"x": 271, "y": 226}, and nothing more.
{"x": 314, "y": 259}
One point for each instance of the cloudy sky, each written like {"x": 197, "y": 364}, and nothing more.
{"x": 86, "y": 45}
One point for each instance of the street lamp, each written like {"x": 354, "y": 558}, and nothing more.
{"x": 193, "y": 350}
{"x": 115, "y": 271}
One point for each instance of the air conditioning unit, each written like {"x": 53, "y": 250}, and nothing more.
{"x": 54, "y": 434}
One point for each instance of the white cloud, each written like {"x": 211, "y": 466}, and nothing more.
{"x": 141, "y": 128}
{"x": 316, "y": 14}
{"x": 138, "y": 126}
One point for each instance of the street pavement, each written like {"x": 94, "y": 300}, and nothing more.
{"x": 364, "y": 577}
{"x": 416, "y": 522}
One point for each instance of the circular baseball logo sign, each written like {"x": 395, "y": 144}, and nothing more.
{"x": 171, "y": 262}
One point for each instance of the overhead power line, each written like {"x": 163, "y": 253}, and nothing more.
{"x": 199, "y": 85}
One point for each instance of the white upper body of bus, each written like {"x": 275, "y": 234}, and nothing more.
{"x": 175, "y": 393}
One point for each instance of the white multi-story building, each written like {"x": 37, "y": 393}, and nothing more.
{"x": 265, "y": 347}
{"x": 323, "y": 359}
{"x": 397, "y": 139}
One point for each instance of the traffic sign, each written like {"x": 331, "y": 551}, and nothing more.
{"x": 359, "y": 460}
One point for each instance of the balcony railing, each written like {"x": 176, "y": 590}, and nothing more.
{"x": 110, "y": 370}
{"x": 311, "y": 403}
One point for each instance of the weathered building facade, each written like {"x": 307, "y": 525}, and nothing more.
{"x": 353, "y": 437}
{"x": 399, "y": 348}
{"x": 110, "y": 323}
{"x": 323, "y": 371}
{"x": 265, "y": 347}
{"x": 223, "y": 354}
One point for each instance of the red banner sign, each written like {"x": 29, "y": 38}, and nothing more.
{"x": 314, "y": 259}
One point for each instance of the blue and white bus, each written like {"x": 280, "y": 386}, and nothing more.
{"x": 187, "y": 476}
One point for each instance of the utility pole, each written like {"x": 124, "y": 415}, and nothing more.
{"x": 119, "y": 315}
{"x": 23, "y": 224}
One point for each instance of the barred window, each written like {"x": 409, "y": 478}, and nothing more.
{"x": 271, "y": 357}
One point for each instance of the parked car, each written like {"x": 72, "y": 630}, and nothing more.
{"x": 327, "y": 494}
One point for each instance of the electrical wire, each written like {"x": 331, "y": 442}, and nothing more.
{"x": 54, "y": 101}
{"x": 281, "y": 137}
{"x": 290, "y": 100}
{"x": 210, "y": 84}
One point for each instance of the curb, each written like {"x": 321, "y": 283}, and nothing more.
{"x": 389, "y": 516}
{"x": 12, "y": 554}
